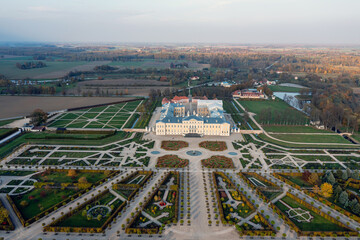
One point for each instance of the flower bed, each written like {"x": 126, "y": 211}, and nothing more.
{"x": 174, "y": 145}
{"x": 218, "y": 162}
{"x": 172, "y": 161}
{"x": 214, "y": 145}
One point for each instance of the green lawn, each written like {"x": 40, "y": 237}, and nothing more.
{"x": 298, "y": 180}
{"x": 40, "y": 203}
{"x": 77, "y": 220}
{"x": 278, "y": 88}
{"x": 35, "y": 138}
{"x": 62, "y": 177}
{"x": 8, "y": 68}
{"x": 293, "y": 129}
{"x": 281, "y": 112}
{"x": 311, "y": 138}
{"x": 4, "y": 131}
{"x": 318, "y": 223}
{"x": 299, "y": 145}
{"x": 14, "y": 173}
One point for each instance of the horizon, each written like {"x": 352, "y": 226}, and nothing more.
{"x": 185, "y": 22}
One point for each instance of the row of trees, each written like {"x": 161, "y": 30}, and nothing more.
{"x": 30, "y": 65}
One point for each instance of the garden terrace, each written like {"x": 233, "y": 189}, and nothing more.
{"x": 111, "y": 116}
{"x": 308, "y": 219}
{"x": 128, "y": 187}
{"x": 171, "y": 161}
{"x": 214, "y": 145}
{"x": 93, "y": 216}
{"x": 257, "y": 226}
{"x": 54, "y": 189}
{"x": 218, "y": 162}
{"x": 161, "y": 208}
{"x": 174, "y": 145}
{"x": 233, "y": 205}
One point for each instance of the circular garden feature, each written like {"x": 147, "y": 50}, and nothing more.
{"x": 102, "y": 210}
{"x": 214, "y": 145}
{"x": 174, "y": 145}
{"x": 171, "y": 161}
{"x": 218, "y": 162}
{"x": 193, "y": 153}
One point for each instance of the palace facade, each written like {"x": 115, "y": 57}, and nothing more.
{"x": 201, "y": 117}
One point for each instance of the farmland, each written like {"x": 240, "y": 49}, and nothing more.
{"x": 12, "y": 106}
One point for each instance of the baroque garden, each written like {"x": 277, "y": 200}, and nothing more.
{"x": 102, "y": 172}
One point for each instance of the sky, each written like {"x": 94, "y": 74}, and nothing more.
{"x": 182, "y": 21}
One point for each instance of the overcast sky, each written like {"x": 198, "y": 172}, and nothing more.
{"x": 213, "y": 21}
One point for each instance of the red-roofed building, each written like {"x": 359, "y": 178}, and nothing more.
{"x": 164, "y": 100}
{"x": 248, "y": 93}
{"x": 180, "y": 99}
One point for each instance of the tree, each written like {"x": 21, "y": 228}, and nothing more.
{"x": 72, "y": 173}
{"x": 352, "y": 203}
{"x": 84, "y": 213}
{"x": 316, "y": 189}
{"x": 326, "y": 190}
{"x": 4, "y": 214}
{"x": 313, "y": 178}
{"x": 337, "y": 190}
{"x": 345, "y": 176}
{"x": 344, "y": 198}
{"x": 82, "y": 180}
{"x": 330, "y": 178}
{"x": 356, "y": 209}
{"x": 38, "y": 117}
{"x": 99, "y": 217}
{"x": 23, "y": 203}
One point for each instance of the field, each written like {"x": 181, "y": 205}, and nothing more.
{"x": 302, "y": 138}
{"x": 278, "y": 88}
{"x": 54, "y": 69}
{"x": 110, "y": 116}
{"x": 281, "y": 112}
{"x": 293, "y": 129}
{"x": 13, "y": 106}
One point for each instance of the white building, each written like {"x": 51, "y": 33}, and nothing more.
{"x": 204, "y": 117}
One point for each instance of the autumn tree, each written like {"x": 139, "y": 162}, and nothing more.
{"x": 71, "y": 173}
{"x": 38, "y": 117}
{"x": 313, "y": 178}
{"x": 4, "y": 214}
{"x": 326, "y": 190}
{"x": 83, "y": 180}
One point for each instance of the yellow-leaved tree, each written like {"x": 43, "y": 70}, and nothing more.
{"x": 326, "y": 190}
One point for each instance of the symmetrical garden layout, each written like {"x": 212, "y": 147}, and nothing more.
{"x": 209, "y": 188}
{"x": 110, "y": 116}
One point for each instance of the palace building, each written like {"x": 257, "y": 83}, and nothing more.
{"x": 192, "y": 118}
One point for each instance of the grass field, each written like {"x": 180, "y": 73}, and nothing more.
{"x": 110, "y": 116}
{"x": 299, "y": 145}
{"x": 293, "y": 129}
{"x": 40, "y": 138}
{"x": 318, "y": 223}
{"x": 302, "y": 138}
{"x": 54, "y": 69}
{"x": 278, "y": 88}
{"x": 281, "y": 112}
{"x": 40, "y": 202}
